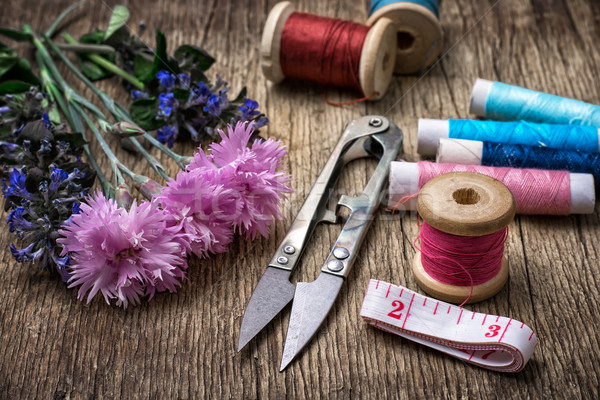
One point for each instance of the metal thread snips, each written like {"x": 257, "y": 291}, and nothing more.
{"x": 369, "y": 136}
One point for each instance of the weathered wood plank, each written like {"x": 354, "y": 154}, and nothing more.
{"x": 183, "y": 345}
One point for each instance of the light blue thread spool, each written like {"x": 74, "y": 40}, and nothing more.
{"x": 565, "y": 137}
{"x": 497, "y": 100}
{"x": 420, "y": 36}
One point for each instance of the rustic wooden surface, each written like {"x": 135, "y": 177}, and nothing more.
{"x": 184, "y": 345}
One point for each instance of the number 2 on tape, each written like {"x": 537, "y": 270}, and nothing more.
{"x": 489, "y": 341}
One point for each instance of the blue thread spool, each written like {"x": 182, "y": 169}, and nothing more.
{"x": 419, "y": 32}
{"x": 497, "y": 100}
{"x": 518, "y": 156}
{"x": 565, "y": 137}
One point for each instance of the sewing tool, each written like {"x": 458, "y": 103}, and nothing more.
{"x": 488, "y": 341}
{"x": 419, "y": 32}
{"x": 328, "y": 51}
{"x": 535, "y": 191}
{"x": 367, "y": 136}
{"x": 565, "y": 137}
{"x": 475, "y": 152}
{"x": 497, "y": 100}
{"x": 460, "y": 257}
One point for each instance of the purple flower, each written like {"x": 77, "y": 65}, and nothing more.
{"x": 216, "y": 103}
{"x": 255, "y": 172}
{"x": 201, "y": 208}
{"x": 166, "y": 79}
{"x": 166, "y": 103}
{"x": 199, "y": 94}
{"x": 138, "y": 94}
{"x": 123, "y": 254}
{"x": 184, "y": 80}
{"x": 167, "y": 134}
{"x": 47, "y": 122}
{"x": 249, "y": 110}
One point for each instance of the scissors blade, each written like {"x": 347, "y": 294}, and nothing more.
{"x": 312, "y": 302}
{"x": 272, "y": 293}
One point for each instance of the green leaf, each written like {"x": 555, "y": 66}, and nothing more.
{"x": 161, "y": 60}
{"x": 15, "y": 35}
{"x": 119, "y": 18}
{"x": 8, "y": 58}
{"x": 142, "y": 66}
{"x": 143, "y": 112}
{"x": 198, "y": 76}
{"x": 182, "y": 95}
{"x": 96, "y": 37}
{"x": 240, "y": 97}
{"x": 75, "y": 139}
{"x": 92, "y": 70}
{"x": 11, "y": 87}
{"x": 190, "y": 56}
{"x": 21, "y": 71}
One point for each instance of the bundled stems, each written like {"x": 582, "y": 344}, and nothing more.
{"x": 74, "y": 123}
{"x": 115, "y": 108}
{"x": 74, "y": 112}
{"x": 107, "y": 65}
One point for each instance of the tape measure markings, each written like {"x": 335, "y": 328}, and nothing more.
{"x": 492, "y": 345}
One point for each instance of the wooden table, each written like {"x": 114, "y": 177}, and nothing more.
{"x": 184, "y": 345}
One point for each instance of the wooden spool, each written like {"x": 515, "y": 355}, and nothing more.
{"x": 376, "y": 60}
{"x": 464, "y": 204}
{"x": 419, "y": 35}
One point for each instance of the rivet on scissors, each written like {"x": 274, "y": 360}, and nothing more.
{"x": 289, "y": 249}
{"x": 376, "y": 122}
{"x": 335, "y": 265}
{"x": 341, "y": 253}
{"x": 282, "y": 260}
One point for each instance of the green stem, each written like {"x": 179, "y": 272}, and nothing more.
{"x": 118, "y": 111}
{"x": 74, "y": 98}
{"x": 61, "y": 17}
{"x": 86, "y": 48}
{"x": 74, "y": 123}
{"x": 109, "y": 66}
{"x": 114, "y": 161}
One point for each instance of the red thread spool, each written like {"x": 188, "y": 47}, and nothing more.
{"x": 328, "y": 51}
{"x": 461, "y": 258}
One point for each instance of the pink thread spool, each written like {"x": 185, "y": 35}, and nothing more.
{"x": 472, "y": 206}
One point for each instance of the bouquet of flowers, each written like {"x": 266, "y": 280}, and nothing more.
{"x": 106, "y": 241}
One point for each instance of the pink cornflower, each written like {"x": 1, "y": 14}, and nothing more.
{"x": 201, "y": 209}
{"x": 255, "y": 172}
{"x": 123, "y": 254}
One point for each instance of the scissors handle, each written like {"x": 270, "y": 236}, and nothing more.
{"x": 344, "y": 252}
{"x": 354, "y": 143}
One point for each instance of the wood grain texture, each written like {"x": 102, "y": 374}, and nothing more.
{"x": 183, "y": 345}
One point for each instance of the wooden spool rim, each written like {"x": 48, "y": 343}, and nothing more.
{"x": 377, "y": 59}
{"x": 458, "y": 294}
{"x": 466, "y": 204}
{"x": 270, "y": 45}
{"x": 422, "y": 25}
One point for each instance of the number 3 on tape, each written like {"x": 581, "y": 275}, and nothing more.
{"x": 489, "y": 341}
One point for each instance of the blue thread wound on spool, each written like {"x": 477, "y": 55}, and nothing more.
{"x": 521, "y": 156}
{"x": 431, "y": 5}
{"x": 513, "y": 103}
{"x": 566, "y": 137}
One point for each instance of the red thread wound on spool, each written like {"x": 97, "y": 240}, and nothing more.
{"x": 322, "y": 50}
{"x": 461, "y": 260}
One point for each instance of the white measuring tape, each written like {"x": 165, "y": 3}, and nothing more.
{"x": 489, "y": 341}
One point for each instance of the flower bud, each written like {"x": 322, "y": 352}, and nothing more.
{"x": 126, "y": 129}
{"x": 147, "y": 187}
{"x": 123, "y": 196}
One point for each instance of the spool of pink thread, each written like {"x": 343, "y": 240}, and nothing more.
{"x": 460, "y": 257}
